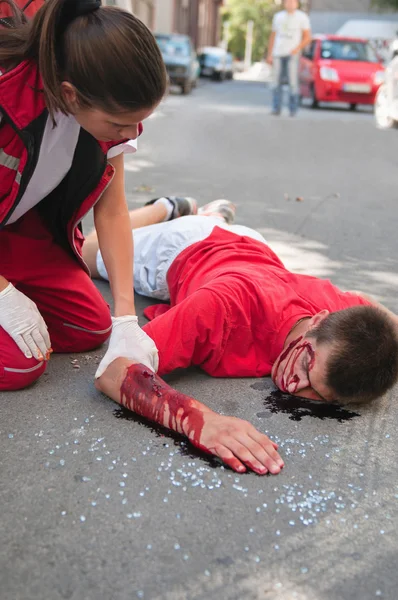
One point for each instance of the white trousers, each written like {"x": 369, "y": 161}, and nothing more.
{"x": 157, "y": 246}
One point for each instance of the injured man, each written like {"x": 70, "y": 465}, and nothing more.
{"x": 234, "y": 310}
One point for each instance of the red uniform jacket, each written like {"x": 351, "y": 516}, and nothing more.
{"x": 31, "y": 8}
{"x": 23, "y": 117}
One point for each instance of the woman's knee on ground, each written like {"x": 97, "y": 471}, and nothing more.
{"x": 70, "y": 337}
{"x": 17, "y": 371}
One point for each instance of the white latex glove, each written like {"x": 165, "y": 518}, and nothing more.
{"x": 22, "y": 321}
{"x": 128, "y": 340}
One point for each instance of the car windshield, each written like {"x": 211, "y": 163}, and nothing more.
{"x": 348, "y": 50}
{"x": 173, "y": 46}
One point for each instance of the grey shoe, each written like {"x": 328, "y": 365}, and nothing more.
{"x": 181, "y": 206}
{"x": 219, "y": 208}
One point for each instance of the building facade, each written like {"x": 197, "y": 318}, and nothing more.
{"x": 200, "y": 19}
{"x": 144, "y": 9}
{"x": 164, "y": 16}
{"x": 327, "y": 16}
{"x": 341, "y": 5}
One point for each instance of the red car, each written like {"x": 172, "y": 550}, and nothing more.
{"x": 340, "y": 69}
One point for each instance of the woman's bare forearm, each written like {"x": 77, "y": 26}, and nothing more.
{"x": 116, "y": 245}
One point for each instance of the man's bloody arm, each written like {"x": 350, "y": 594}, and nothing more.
{"x": 233, "y": 440}
{"x": 143, "y": 392}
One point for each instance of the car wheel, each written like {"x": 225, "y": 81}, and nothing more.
{"x": 313, "y": 99}
{"x": 186, "y": 88}
{"x": 382, "y": 116}
{"x": 353, "y": 106}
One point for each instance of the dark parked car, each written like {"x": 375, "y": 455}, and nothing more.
{"x": 215, "y": 63}
{"x": 180, "y": 59}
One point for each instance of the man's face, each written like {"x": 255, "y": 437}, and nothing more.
{"x": 291, "y": 5}
{"x": 300, "y": 369}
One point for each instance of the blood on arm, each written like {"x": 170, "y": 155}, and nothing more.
{"x": 235, "y": 441}
{"x": 143, "y": 392}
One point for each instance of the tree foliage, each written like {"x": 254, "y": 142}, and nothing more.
{"x": 237, "y": 13}
{"x": 386, "y": 4}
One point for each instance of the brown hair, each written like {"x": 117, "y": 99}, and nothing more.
{"x": 107, "y": 54}
{"x": 363, "y": 364}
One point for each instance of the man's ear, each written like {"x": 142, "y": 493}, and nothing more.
{"x": 317, "y": 319}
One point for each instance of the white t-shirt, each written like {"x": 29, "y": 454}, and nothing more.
{"x": 288, "y": 28}
{"x": 55, "y": 159}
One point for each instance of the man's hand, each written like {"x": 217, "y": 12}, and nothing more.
{"x": 270, "y": 60}
{"x": 234, "y": 441}
{"x": 239, "y": 444}
{"x": 295, "y": 51}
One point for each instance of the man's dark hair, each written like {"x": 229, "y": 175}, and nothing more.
{"x": 363, "y": 364}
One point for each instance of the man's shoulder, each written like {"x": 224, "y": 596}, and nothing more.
{"x": 280, "y": 15}
{"x": 302, "y": 16}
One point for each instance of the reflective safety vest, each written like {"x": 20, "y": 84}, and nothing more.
{"x": 23, "y": 118}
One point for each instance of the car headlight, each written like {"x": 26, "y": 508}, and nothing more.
{"x": 379, "y": 77}
{"x": 329, "y": 74}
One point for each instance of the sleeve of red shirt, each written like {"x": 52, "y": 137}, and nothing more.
{"x": 193, "y": 332}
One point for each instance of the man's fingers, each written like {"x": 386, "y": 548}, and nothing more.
{"x": 268, "y": 449}
{"x": 246, "y": 456}
{"x": 266, "y": 456}
{"x": 229, "y": 459}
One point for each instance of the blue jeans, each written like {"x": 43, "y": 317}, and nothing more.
{"x": 286, "y": 67}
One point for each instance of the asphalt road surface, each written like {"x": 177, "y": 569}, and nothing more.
{"x": 96, "y": 505}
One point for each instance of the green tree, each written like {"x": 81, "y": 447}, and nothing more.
{"x": 386, "y": 3}
{"x": 237, "y": 13}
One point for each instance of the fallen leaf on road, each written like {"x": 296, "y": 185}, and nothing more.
{"x": 299, "y": 199}
{"x": 144, "y": 188}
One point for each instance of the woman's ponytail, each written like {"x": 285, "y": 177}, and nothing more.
{"x": 47, "y": 32}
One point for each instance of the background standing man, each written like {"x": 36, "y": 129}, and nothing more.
{"x": 291, "y": 32}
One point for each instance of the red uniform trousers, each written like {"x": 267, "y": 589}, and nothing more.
{"x": 77, "y": 316}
